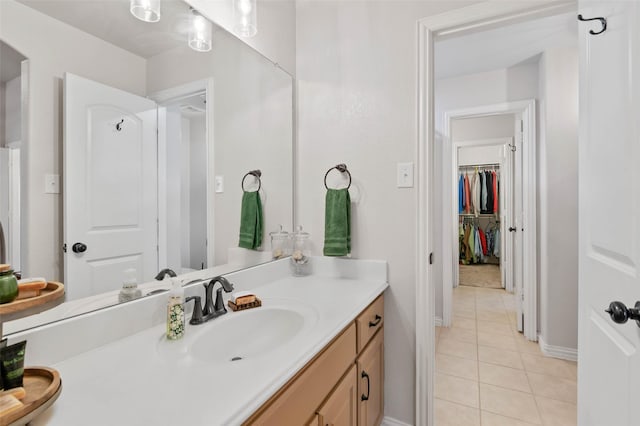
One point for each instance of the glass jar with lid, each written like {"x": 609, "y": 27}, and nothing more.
{"x": 301, "y": 252}
{"x": 280, "y": 244}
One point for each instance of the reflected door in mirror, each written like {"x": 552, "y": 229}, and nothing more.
{"x": 110, "y": 186}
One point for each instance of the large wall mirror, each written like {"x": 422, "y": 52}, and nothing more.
{"x": 124, "y": 150}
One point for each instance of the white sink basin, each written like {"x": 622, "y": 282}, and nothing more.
{"x": 249, "y": 334}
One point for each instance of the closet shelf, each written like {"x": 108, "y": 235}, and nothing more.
{"x": 493, "y": 215}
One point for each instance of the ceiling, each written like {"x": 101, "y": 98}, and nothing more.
{"x": 503, "y": 47}
{"x": 9, "y": 63}
{"x": 111, "y": 21}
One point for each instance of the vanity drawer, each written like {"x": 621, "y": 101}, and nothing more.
{"x": 296, "y": 404}
{"x": 370, "y": 321}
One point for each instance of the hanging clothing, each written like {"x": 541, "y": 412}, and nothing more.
{"x": 495, "y": 192}
{"x": 467, "y": 194}
{"x": 475, "y": 194}
{"x": 483, "y": 189}
{"x": 460, "y": 194}
{"x": 483, "y": 241}
{"x": 489, "y": 177}
{"x": 496, "y": 248}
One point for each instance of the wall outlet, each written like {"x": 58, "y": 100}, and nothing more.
{"x": 405, "y": 175}
{"x": 51, "y": 184}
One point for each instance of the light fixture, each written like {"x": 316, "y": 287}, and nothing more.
{"x": 245, "y": 18}
{"x": 145, "y": 10}
{"x": 200, "y": 32}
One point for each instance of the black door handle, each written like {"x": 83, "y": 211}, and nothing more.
{"x": 620, "y": 314}
{"x": 512, "y": 229}
{"x": 79, "y": 248}
{"x": 364, "y": 397}
{"x": 376, "y": 321}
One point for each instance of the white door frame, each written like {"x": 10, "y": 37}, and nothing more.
{"x": 163, "y": 97}
{"x": 456, "y": 22}
{"x": 525, "y": 220}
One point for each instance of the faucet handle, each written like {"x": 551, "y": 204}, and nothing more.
{"x": 196, "y": 316}
{"x": 219, "y": 307}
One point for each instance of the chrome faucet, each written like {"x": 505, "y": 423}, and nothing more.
{"x": 211, "y": 309}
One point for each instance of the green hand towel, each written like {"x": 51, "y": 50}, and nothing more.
{"x": 251, "y": 221}
{"x": 337, "y": 223}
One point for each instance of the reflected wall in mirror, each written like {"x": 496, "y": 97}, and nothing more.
{"x": 11, "y": 106}
{"x": 150, "y": 139}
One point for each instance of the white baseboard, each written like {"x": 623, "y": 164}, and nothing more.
{"x": 389, "y": 421}
{"x": 561, "y": 352}
{"x": 438, "y": 321}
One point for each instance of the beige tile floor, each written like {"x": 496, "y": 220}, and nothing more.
{"x": 488, "y": 374}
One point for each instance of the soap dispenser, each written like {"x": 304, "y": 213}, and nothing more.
{"x": 175, "y": 310}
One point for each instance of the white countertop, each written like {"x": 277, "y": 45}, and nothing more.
{"x": 143, "y": 379}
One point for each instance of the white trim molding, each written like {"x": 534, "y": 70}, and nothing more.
{"x": 460, "y": 21}
{"x": 437, "y": 321}
{"x": 569, "y": 354}
{"x": 390, "y": 421}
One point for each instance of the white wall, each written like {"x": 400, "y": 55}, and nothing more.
{"x": 478, "y": 128}
{"x": 198, "y": 188}
{"x": 487, "y": 88}
{"x": 53, "y": 48}
{"x": 356, "y": 70}
{"x": 276, "y": 37}
{"x": 558, "y": 199}
{"x": 476, "y": 155}
{"x": 12, "y": 111}
{"x": 253, "y": 129}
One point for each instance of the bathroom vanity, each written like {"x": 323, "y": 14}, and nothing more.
{"x": 312, "y": 354}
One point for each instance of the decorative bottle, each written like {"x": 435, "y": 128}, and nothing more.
{"x": 175, "y": 311}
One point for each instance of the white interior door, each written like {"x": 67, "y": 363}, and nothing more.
{"x": 110, "y": 186}
{"x": 506, "y": 217}
{"x": 609, "y": 197}
{"x": 515, "y": 227}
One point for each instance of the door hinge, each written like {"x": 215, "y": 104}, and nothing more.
{"x": 64, "y": 247}
{"x": 431, "y": 258}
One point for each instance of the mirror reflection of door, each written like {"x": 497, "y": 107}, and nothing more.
{"x": 11, "y": 109}
{"x": 186, "y": 182}
{"x": 110, "y": 197}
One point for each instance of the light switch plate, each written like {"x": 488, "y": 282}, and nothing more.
{"x": 405, "y": 175}
{"x": 51, "y": 184}
{"x": 219, "y": 184}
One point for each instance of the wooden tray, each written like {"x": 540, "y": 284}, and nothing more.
{"x": 244, "y": 306}
{"x": 49, "y": 297}
{"x": 43, "y": 386}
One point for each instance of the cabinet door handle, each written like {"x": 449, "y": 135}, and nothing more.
{"x": 376, "y": 321}
{"x": 365, "y": 397}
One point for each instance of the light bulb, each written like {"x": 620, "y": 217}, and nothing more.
{"x": 245, "y": 17}
{"x": 200, "y": 34}
{"x": 145, "y": 10}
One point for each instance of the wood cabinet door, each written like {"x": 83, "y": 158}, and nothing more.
{"x": 371, "y": 382}
{"x": 340, "y": 409}
{"x": 315, "y": 421}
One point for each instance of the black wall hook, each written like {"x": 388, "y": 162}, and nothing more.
{"x": 119, "y": 125}
{"x": 603, "y": 21}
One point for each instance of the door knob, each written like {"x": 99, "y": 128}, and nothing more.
{"x": 79, "y": 248}
{"x": 512, "y": 229}
{"x": 620, "y": 314}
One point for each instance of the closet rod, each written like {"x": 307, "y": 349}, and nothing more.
{"x": 479, "y": 165}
